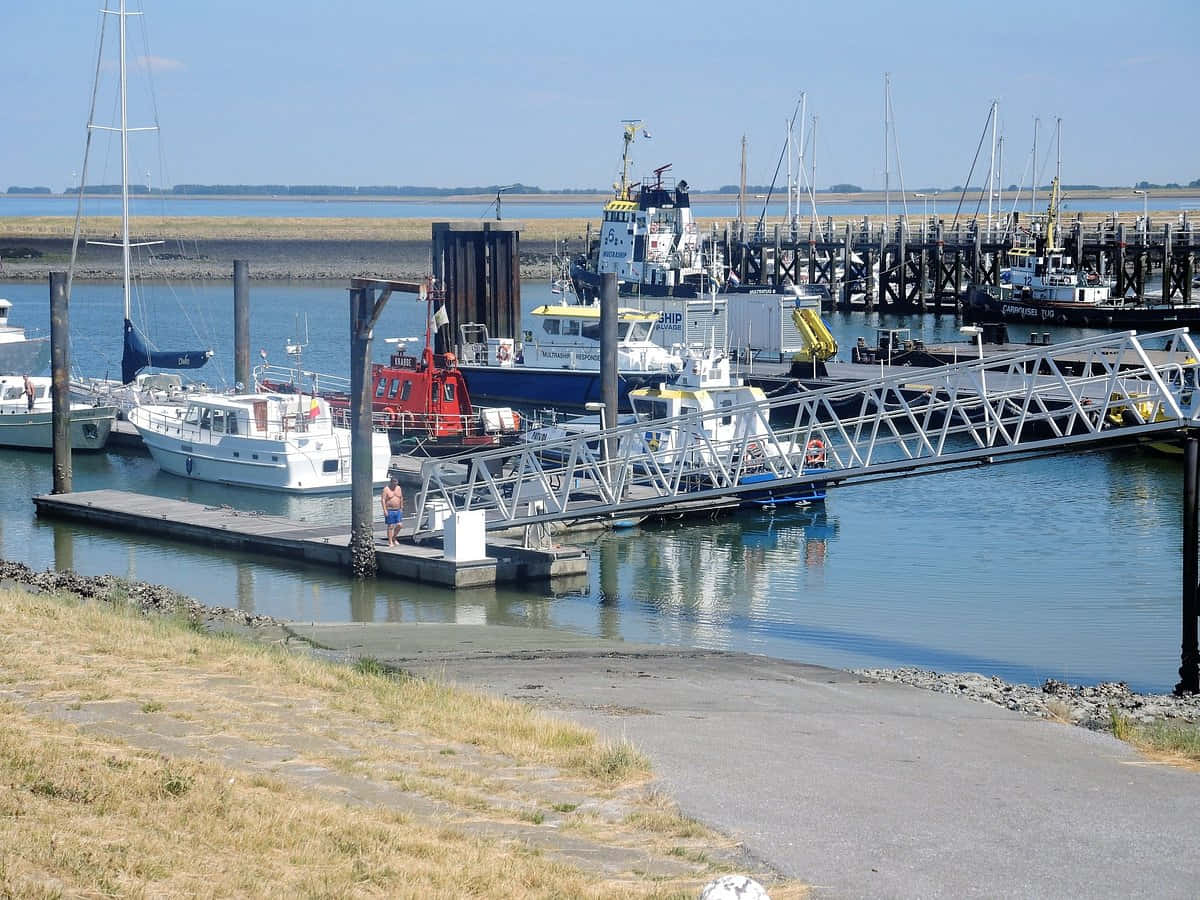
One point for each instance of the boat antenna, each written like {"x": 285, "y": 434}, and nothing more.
{"x": 496, "y": 202}
{"x": 631, "y": 130}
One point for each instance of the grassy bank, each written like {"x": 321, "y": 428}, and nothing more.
{"x": 1173, "y": 743}
{"x": 142, "y": 755}
{"x": 232, "y": 228}
{"x": 217, "y": 228}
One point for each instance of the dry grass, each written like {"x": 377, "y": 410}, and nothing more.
{"x": 81, "y": 815}
{"x": 233, "y": 228}
{"x": 249, "y": 228}
{"x": 1173, "y": 743}
{"x": 117, "y": 641}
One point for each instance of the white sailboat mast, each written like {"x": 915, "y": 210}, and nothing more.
{"x": 124, "y": 169}
{"x": 1034, "y": 179}
{"x": 992, "y": 168}
{"x": 887, "y": 213}
{"x": 1058, "y": 170}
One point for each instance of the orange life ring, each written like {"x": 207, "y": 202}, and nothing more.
{"x": 814, "y": 452}
{"x": 503, "y": 354}
{"x": 389, "y": 415}
{"x": 450, "y": 359}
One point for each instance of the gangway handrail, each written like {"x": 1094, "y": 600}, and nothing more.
{"x": 1017, "y": 404}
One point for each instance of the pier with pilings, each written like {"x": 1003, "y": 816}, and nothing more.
{"x": 927, "y": 267}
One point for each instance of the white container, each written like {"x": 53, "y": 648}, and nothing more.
{"x": 437, "y": 511}
{"x": 464, "y": 537}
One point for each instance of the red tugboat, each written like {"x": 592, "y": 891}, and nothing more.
{"x": 422, "y": 401}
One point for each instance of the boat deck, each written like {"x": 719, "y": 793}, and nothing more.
{"x": 328, "y": 545}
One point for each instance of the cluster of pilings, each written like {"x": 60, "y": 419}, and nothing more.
{"x": 928, "y": 268}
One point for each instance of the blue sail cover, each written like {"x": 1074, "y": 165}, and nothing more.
{"x": 138, "y": 356}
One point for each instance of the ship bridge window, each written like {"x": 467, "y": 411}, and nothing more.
{"x": 406, "y": 390}
{"x": 381, "y": 387}
{"x": 653, "y": 409}
{"x": 591, "y": 331}
{"x": 550, "y": 326}
{"x": 448, "y": 392}
{"x": 726, "y": 404}
{"x": 639, "y": 331}
{"x": 570, "y": 326}
{"x": 395, "y": 386}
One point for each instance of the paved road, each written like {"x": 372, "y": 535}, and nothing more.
{"x": 863, "y": 789}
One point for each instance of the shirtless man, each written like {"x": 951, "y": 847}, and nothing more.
{"x": 393, "y": 509}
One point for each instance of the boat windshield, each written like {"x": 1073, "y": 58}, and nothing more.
{"x": 651, "y": 408}
{"x": 640, "y": 331}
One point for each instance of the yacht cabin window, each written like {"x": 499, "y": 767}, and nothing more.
{"x": 218, "y": 421}
{"x": 193, "y": 416}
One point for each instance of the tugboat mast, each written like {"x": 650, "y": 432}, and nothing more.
{"x": 631, "y": 128}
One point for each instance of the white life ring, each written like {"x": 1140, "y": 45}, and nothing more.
{"x": 503, "y": 354}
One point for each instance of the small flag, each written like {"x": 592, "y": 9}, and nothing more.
{"x": 440, "y": 319}
{"x": 315, "y": 409}
{"x": 733, "y": 277}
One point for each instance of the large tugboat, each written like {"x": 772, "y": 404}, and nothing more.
{"x": 422, "y": 401}
{"x": 650, "y": 240}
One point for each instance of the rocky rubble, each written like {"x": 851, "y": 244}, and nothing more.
{"x": 147, "y": 598}
{"x": 1091, "y": 706}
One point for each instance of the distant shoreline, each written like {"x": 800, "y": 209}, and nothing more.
{"x": 698, "y": 197}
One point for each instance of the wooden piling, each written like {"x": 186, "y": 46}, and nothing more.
{"x": 60, "y": 382}
{"x": 241, "y": 324}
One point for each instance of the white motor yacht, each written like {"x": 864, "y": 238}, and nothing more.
{"x": 19, "y": 353}
{"x": 33, "y": 429}
{"x": 278, "y": 442}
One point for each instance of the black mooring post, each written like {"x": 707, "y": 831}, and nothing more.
{"x": 608, "y": 356}
{"x": 241, "y": 324}
{"x": 362, "y": 535}
{"x": 60, "y": 383}
{"x": 1189, "y": 660}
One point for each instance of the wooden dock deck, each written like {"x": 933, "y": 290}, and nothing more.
{"x": 329, "y": 545}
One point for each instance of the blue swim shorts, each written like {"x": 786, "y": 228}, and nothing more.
{"x": 395, "y": 516}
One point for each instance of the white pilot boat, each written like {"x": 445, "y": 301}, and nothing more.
{"x": 18, "y": 353}
{"x": 34, "y": 429}
{"x": 275, "y": 442}
{"x": 704, "y": 417}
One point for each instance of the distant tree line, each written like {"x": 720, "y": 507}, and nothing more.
{"x": 408, "y": 190}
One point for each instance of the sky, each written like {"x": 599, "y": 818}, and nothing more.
{"x": 382, "y": 92}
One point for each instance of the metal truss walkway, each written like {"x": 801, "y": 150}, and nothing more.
{"x": 1124, "y": 388}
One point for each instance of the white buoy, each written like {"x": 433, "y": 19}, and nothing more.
{"x": 734, "y": 887}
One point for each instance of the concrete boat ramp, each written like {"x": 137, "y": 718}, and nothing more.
{"x": 220, "y": 526}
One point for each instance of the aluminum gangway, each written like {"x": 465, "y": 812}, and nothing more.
{"x": 1108, "y": 390}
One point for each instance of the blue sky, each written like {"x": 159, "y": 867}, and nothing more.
{"x": 379, "y": 92}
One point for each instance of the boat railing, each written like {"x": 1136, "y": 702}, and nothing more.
{"x": 280, "y": 378}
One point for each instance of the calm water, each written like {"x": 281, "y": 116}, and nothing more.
{"x": 1065, "y": 567}
{"x": 30, "y": 205}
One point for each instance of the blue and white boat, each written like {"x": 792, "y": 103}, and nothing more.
{"x": 557, "y": 362}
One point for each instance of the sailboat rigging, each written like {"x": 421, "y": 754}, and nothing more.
{"x": 137, "y": 353}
